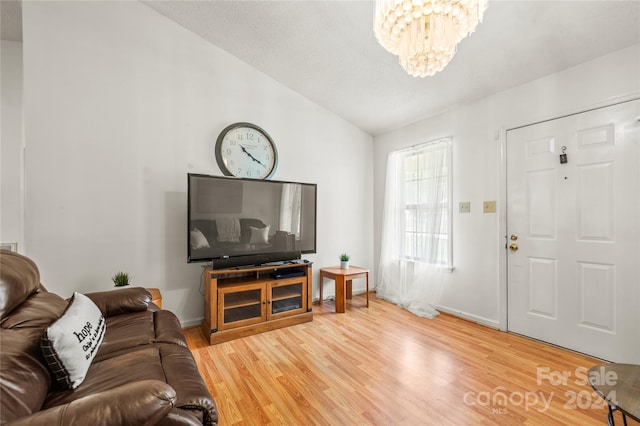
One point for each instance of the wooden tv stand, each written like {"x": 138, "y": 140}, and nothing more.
{"x": 243, "y": 301}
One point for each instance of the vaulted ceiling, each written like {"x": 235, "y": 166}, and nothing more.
{"x": 327, "y": 52}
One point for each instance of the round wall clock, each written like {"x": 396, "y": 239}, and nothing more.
{"x": 245, "y": 150}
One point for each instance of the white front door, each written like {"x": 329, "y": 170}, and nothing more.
{"x": 574, "y": 232}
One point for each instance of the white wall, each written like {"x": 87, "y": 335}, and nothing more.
{"x": 120, "y": 104}
{"x": 11, "y": 144}
{"x": 476, "y": 288}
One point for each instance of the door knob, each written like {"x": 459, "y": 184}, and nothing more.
{"x": 513, "y": 247}
{"x": 514, "y": 237}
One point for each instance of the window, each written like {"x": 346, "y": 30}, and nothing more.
{"x": 416, "y": 248}
{"x": 425, "y": 202}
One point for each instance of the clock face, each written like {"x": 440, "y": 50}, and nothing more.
{"x": 245, "y": 150}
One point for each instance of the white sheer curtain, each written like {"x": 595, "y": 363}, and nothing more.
{"x": 290, "y": 208}
{"x": 416, "y": 251}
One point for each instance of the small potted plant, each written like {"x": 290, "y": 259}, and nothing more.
{"x": 344, "y": 261}
{"x": 121, "y": 279}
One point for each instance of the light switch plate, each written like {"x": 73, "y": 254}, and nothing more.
{"x": 489, "y": 207}
{"x": 465, "y": 207}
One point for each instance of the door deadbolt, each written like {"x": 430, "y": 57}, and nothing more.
{"x": 513, "y": 247}
{"x": 514, "y": 237}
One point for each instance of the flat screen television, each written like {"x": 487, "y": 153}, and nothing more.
{"x": 236, "y": 222}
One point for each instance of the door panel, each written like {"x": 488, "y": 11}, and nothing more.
{"x": 573, "y": 279}
{"x": 597, "y": 296}
{"x": 543, "y": 287}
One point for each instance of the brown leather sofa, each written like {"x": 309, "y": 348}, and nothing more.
{"x": 142, "y": 374}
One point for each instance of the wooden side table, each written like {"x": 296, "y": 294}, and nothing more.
{"x": 156, "y": 297}
{"x": 343, "y": 279}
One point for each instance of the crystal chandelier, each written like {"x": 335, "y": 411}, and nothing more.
{"x": 424, "y": 33}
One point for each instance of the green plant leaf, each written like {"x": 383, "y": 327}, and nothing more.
{"x": 121, "y": 279}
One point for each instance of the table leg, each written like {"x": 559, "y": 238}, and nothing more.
{"x": 349, "y": 291}
{"x": 340, "y": 293}
{"x": 610, "y": 420}
{"x": 367, "y": 276}
{"x": 321, "y": 285}
{"x": 610, "y": 417}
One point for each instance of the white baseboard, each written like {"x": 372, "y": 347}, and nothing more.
{"x": 471, "y": 317}
{"x": 191, "y": 323}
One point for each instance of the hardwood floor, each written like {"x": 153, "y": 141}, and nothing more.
{"x": 384, "y": 366}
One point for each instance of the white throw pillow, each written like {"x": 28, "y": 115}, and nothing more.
{"x": 71, "y": 342}
{"x": 198, "y": 240}
{"x": 259, "y": 235}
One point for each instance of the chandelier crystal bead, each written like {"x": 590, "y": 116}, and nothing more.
{"x": 424, "y": 33}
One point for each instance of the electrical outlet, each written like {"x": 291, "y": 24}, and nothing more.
{"x": 489, "y": 207}
{"x": 465, "y": 207}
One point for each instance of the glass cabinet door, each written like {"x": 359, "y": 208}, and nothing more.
{"x": 287, "y": 297}
{"x": 241, "y": 306}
